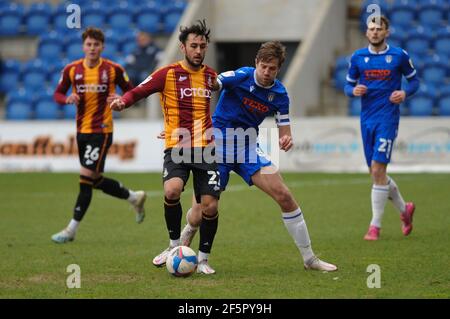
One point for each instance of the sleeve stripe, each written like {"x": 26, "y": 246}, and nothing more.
{"x": 284, "y": 124}
{"x": 350, "y": 79}
{"x": 411, "y": 75}
{"x": 283, "y": 116}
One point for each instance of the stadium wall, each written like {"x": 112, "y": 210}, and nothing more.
{"x": 320, "y": 144}
{"x": 310, "y": 65}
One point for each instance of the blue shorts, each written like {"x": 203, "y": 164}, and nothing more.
{"x": 378, "y": 140}
{"x": 246, "y": 170}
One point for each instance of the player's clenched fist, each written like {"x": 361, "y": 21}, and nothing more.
{"x": 117, "y": 104}
{"x": 73, "y": 99}
{"x": 360, "y": 90}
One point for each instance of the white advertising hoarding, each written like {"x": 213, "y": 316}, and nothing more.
{"x": 51, "y": 146}
{"x": 335, "y": 145}
{"x": 320, "y": 144}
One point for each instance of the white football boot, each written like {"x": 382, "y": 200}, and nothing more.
{"x": 160, "y": 260}
{"x": 314, "y": 263}
{"x": 138, "y": 205}
{"x": 204, "y": 268}
{"x": 63, "y": 236}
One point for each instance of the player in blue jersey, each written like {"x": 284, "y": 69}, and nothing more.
{"x": 375, "y": 74}
{"x": 248, "y": 96}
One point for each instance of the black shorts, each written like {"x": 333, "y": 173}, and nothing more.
{"x": 206, "y": 174}
{"x": 92, "y": 150}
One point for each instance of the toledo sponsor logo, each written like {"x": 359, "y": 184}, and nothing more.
{"x": 46, "y": 146}
{"x": 91, "y": 88}
{"x": 197, "y": 92}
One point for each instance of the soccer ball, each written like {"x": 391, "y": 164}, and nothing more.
{"x": 182, "y": 261}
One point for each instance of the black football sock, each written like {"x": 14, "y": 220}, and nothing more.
{"x": 84, "y": 198}
{"x": 111, "y": 187}
{"x": 208, "y": 229}
{"x": 173, "y": 213}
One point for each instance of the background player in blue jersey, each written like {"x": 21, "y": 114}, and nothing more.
{"x": 248, "y": 96}
{"x": 375, "y": 74}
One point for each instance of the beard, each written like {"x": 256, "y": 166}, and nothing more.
{"x": 192, "y": 63}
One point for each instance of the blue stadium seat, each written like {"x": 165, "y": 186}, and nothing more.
{"x": 47, "y": 109}
{"x": 19, "y": 105}
{"x": 11, "y": 19}
{"x": 434, "y": 71}
{"x": 445, "y": 90}
{"x": 354, "y": 107}
{"x": 19, "y": 111}
{"x": 34, "y": 74}
{"x": 442, "y": 42}
{"x": 10, "y": 75}
{"x": 421, "y": 104}
{"x": 170, "y": 21}
{"x": 69, "y": 111}
{"x": 419, "y": 41}
{"x": 120, "y": 16}
{"x": 148, "y": 18}
{"x": 444, "y": 105}
{"x": 396, "y": 40}
{"x": 402, "y": 14}
{"x": 59, "y": 19}
{"x": 73, "y": 47}
{"x": 37, "y": 18}
{"x": 340, "y": 78}
{"x": 111, "y": 48}
{"x": 93, "y": 15}
{"x": 431, "y": 12}
{"x": 128, "y": 44}
{"x": 50, "y": 47}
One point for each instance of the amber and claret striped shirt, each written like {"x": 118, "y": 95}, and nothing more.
{"x": 93, "y": 85}
{"x": 185, "y": 97}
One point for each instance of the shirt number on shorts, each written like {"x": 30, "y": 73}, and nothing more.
{"x": 385, "y": 143}
{"x": 214, "y": 178}
{"x": 91, "y": 154}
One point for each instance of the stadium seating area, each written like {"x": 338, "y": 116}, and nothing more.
{"x": 24, "y": 82}
{"x": 422, "y": 28}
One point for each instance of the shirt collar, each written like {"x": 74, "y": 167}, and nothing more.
{"x": 381, "y": 52}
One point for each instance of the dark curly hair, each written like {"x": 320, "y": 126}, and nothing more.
{"x": 199, "y": 29}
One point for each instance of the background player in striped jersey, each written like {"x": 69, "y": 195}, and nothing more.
{"x": 249, "y": 95}
{"x": 379, "y": 69}
{"x": 93, "y": 80}
{"x": 185, "y": 90}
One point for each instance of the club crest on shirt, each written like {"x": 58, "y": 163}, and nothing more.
{"x": 104, "y": 76}
{"x": 366, "y": 59}
{"x": 388, "y": 58}
{"x": 252, "y": 88}
{"x": 270, "y": 97}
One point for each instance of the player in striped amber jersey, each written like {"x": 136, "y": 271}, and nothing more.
{"x": 94, "y": 80}
{"x": 185, "y": 94}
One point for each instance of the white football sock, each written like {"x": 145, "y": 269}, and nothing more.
{"x": 296, "y": 227}
{"x": 132, "y": 197}
{"x": 73, "y": 226}
{"x": 174, "y": 243}
{"x": 380, "y": 195}
{"x": 395, "y": 196}
{"x": 202, "y": 256}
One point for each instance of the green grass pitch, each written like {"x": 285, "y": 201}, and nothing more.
{"x": 253, "y": 254}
